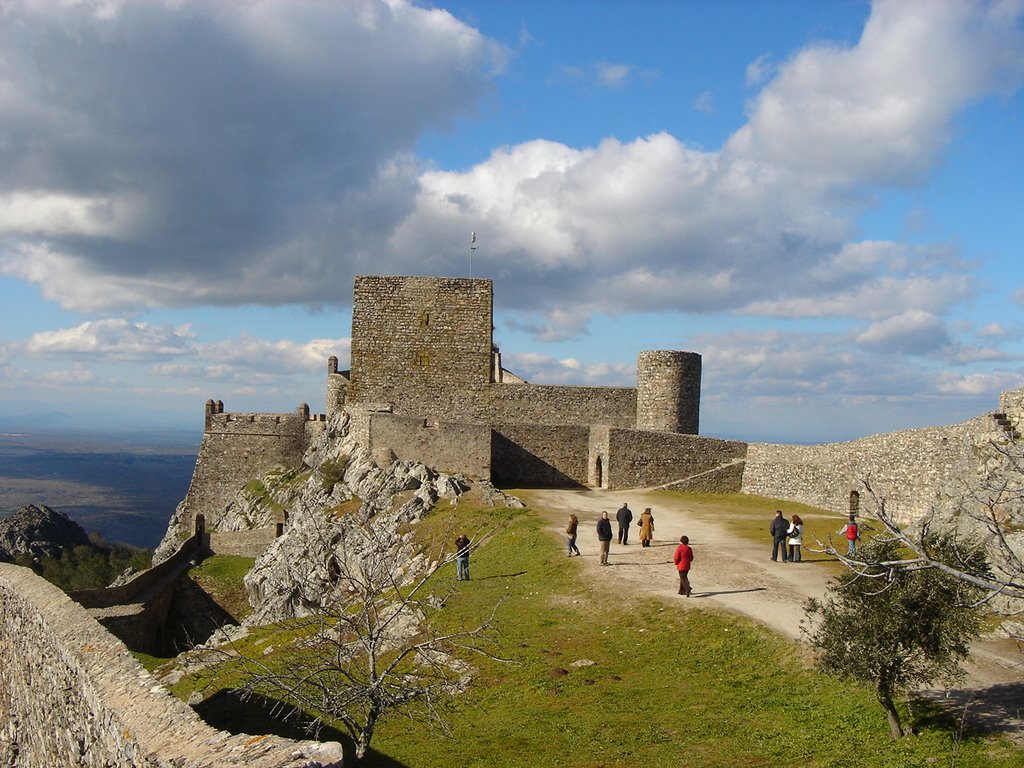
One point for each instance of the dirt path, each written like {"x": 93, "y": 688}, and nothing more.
{"x": 735, "y": 574}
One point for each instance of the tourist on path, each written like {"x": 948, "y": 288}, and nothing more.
{"x": 796, "y": 538}
{"x": 778, "y": 529}
{"x": 604, "y": 536}
{"x": 625, "y": 517}
{"x": 646, "y": 527}
{"x": 683, "y": 558}
{"x": 852, "y": 532}
{"x": 462, "y": 557}
{"x": 570, "y": 534}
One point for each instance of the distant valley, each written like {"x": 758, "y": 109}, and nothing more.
{"x": 122, "y": 485}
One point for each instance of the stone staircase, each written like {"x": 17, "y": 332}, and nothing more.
{"x": 1006, "y": 425}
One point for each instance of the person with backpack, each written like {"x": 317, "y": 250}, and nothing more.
{"x": 852, "y": 532}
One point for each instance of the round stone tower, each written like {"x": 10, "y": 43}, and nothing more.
{"x": 668, "y": 391}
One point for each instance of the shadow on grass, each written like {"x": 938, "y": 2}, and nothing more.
{"x": 231, "y": 710}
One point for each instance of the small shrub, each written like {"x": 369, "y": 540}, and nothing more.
{"x": 332, "y": 472}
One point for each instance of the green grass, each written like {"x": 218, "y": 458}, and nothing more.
{"x": 221, "y": 576}
{"x": 668, "y": 686}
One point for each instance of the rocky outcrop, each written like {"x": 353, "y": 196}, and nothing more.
{"x": 344, "y": 512}
{"x": 39, "y": 531}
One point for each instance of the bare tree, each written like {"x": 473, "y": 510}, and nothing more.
{"x": 373, "y": 644}
{"x": 988, "y": 508}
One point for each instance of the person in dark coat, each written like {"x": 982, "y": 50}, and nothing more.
{"x": 624, "y": 517}
{"x": 462, "y": 544}
{"x": 778, "y": 529}
{"x": 604, "y": 536}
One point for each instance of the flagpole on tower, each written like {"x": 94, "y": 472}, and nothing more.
{"x": 472, "y": 247}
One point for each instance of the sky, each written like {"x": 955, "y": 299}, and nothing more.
{"x": 822, "y": 199}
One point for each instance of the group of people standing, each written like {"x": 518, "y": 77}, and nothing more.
{"x": 682, "y": 558}
{"x": 788, "y": 536}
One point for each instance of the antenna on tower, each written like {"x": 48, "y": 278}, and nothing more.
{"x": 472, "y": 248}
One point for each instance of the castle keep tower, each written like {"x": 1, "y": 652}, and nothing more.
{"x": 668, "y": 391}
{"x": 417, "y": 340}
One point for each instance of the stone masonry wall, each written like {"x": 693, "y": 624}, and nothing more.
{"x": 908, "y": 468}
{"x": 242, "y": 543}
{"x": 545, "y": 404}
{"x": 640, "y": 458}
{"x": 71, "y": 695}
{"x": 539, "y": 455}
{"x": 237, "y": 447}
{"x": 416, "y": 340}
{"x": 446, "y": 446}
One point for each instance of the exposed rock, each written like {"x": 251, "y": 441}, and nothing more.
{"x": 39, "y": 531}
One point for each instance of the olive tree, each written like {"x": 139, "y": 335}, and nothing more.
{"x": 898, "y": 629}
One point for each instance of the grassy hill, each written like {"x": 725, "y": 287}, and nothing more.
{"x": 655, "y": 686}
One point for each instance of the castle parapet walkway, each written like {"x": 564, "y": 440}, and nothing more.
{"x": 136, "y": 612}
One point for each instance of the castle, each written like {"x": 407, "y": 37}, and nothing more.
{"x": 426, "y": 383}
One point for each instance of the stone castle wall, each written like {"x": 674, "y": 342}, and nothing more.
{"x": 642, "y": 458}
{"x": 71, "y": 694}
{"x": 449, "y": 446}
{"x": 252, "y": 543}
{"x": 548, "y": 404}
{"x": 908, "y": 468}
{"x": 538, "y": 454}
{"x": 239, "y": 446}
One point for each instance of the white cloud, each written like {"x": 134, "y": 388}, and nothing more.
{"x": 176, "y": 152}
{"x": 759, "y": 70}
{"x": 705, "y": 103}
{"x": 543, "y": 369}
{"x": 614, "y": 75}
{"x": 880, "y": 111}
{"x": 913, "y": 332}
{"x": 113, "y": 339}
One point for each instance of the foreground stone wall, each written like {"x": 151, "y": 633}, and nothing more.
{"x": 909, "y": 468}
{"x": 72, "y": 695}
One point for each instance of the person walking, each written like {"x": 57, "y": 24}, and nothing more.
{"x": 778, "y": 529}
{"x": 570, "y": 534}
{"x": 683, "y": 558}
{"x": 796, "y": 538}
{"x": 624, "y": 516}
{"x": 646, "y": 527}
{"x": 604, "y": 536}
{"x": 462, "y": 557}
{"x": 852, "y": 532}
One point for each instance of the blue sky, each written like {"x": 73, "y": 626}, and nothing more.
{"x": 820, "y": 198}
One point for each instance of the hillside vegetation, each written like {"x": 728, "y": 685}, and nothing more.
{"x": 615, "y": 680}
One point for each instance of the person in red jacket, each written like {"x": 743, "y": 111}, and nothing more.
{"x": 683, "y": 558}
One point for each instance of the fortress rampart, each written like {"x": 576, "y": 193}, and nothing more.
{"x": 911, "y": 469}
{"x": 71, "y": 694}
{"x": 239, "y": 446}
